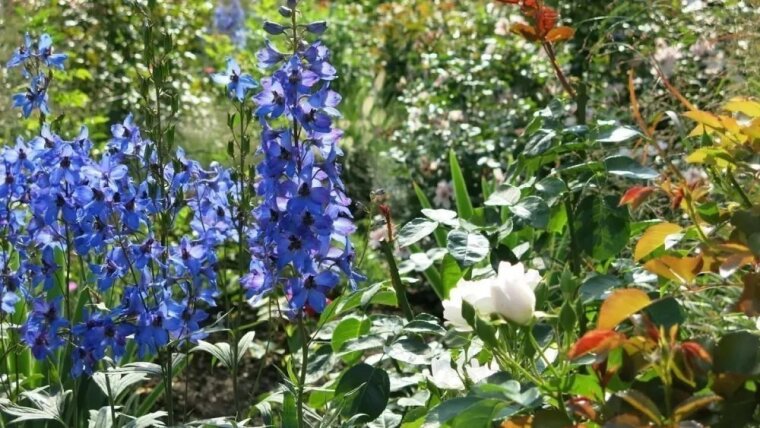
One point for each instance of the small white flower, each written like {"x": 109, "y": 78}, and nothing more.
{"x": 512, "y": 292}
{"x": 476, "y": 293}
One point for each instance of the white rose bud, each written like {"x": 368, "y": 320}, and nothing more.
{"x": 512, "y": 293}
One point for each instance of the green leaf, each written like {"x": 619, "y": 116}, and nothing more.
{"x": 709, "y": 212}
{"x": 604, "y": 227}
{"x": 618, "y": 135}
{"x": 425, "y": 324}
{"x": 289, "y": 411}
{"x": 534, "y": 210}
{"x": 462, "y": 197}
{"x": 540, "y": 142}
{"x": 467, "y": 247}
{"x": 505, "y": 195}
{"x": 597, "y": 287}
{"x": 551, "y": 187}
{"x": 349, "y": 328}
{"x": 100, "y": 418}
{"x": 450, "y": 409}
{"x": 738, "y": 353}
{"x": 410, "y": 350}
{"x": 642, "y": 403}
{"x": 415, "y": 230}
{"x": 440, "y": 235}
{"x": 150, "y": 420}
{"x": 665, "y": 312}
{"x": 244, "y": 344}
{"x": 46, "y": 406}
{"x": 221, "y": 351}
{"x": 366, "y": 390}
{"x": 447, "y": 217}
{"x": 629, "y": 168}
{"x": 119, "y": 381}
{"x": 387, "y": 419}
{"x": 451, "y": 273}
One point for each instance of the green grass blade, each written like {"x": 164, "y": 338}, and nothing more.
{"x": 464, "y": 204}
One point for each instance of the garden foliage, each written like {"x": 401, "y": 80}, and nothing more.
{"x": 569, "y": 235}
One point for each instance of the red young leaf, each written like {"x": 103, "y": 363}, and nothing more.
{"x": 636, "y": 195}
{"x": 546, "y": 19}
{"x": 596, "y": 341}
{"x": 524, "y": 30}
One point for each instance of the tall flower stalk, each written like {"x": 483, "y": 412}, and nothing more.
{"x": 88, "y": 239}
{"x": 300, "y": 245}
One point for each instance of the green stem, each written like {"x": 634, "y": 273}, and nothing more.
{"x": 304, "y": 365}
{"x": 111, "y": 400}
{"x": 168, "y": 385}
{"x": 398, "y": 286}
{"x": 745, "y": 199}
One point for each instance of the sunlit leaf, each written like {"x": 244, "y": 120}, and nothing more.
{"x": 711, "y": 155}
{"x": 653, "y": 238}
{"x": 683, "y": 270}
{"x": 467, "y": 247}
{"x": 560, "y": 34}
{"x": 415, "y": 230}
{"x": 461, "y": 195}
{"x": 525, "y": 30}
{"x": 620, "y": 305}
{"x": 692, "y": 405}
{"x": 704, "y": 118}
{"x": 505, "y": 195}
{"x": 619, "y": 135}
{"x": 743, "y": 105}
{"x": 642, "y": 403}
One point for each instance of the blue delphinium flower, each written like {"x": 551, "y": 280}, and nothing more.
{"x": 45, "y": 52}
{"x": 35, "y": 97}
{"x": 31, "y": 57}
{"x": 42, "y": 330}
{"x": 22, "y": 54}
{"x": 237, "y": 83}
{"x": 229, "y": 19}
{"x": 301, "y": 241}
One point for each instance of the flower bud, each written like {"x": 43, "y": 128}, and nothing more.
{"x": 512, "y": 292}
{"x": 285, "y": 11}
{"x": 292, "y": 4}
{"x": 273, "y": 28}
{"x": 317, "y": 27}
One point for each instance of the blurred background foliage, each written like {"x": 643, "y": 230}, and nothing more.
{"x": 419, "y": 76}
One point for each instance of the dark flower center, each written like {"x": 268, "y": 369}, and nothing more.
{"x": 295, "y": 243}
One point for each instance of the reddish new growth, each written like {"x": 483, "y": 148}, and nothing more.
{"x": 543, "y": 28}
{"x": 544, "y": 23}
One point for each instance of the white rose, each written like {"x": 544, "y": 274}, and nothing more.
{"x": 512, "y": 293}
{"x": 476, "y": 293}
